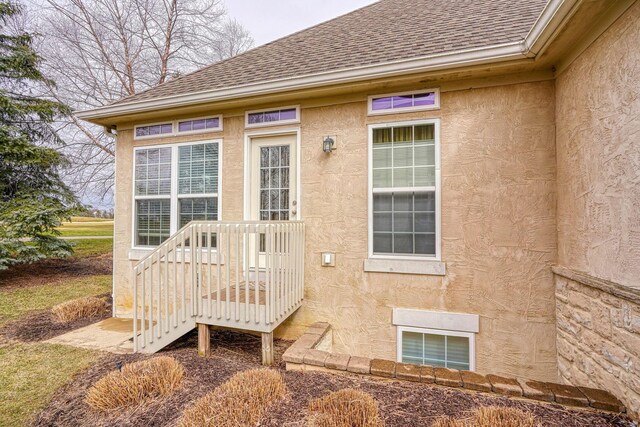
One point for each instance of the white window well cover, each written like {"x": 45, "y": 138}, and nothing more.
{"x": 461, "y": 322}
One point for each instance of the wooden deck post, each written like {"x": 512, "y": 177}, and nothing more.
{"x": 204, "y": 340}
{"x": 267, "y": 348}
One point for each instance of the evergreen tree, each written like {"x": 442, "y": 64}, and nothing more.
{"x": 33, "y": 198}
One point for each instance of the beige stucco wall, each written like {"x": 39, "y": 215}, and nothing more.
{"x": 598, "y": 149}
{"x": 498, "y": 225}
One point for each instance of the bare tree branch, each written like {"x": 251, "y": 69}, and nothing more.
{"x": 99, "y": 51}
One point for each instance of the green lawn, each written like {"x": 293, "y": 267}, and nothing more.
{"x": 16, "y": 303}
{"x": 89, "y": 219}
{"x": 31, "y": 373}
{"x": 91, "y": 247}
{"x": 84, "y": 228}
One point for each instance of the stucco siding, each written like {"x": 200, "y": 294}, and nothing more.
{"x": 598, "y": 140}
{"x": 598, "y": 150}
{"x": 498, "y": 225}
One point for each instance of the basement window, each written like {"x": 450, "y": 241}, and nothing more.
{"x": 428, "y": 99}
{"x": 273, "y": 117}
{"x": 439, "y": 348}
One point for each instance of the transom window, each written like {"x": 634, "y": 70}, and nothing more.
{"x": 404, "y": 181}
{"x": 405, "y": 101}
{"x": 178, "y": 127}
{"x": 154, "y": 130}
{"x": 446, "y": 349}
{"x": 275, "y": 116}
{"x": 174, "y": 184}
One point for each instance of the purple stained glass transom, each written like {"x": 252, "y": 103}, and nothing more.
{"x": 272, "y": 116}
{"x": 403, "y": 101}
{"x": 152, "y": 130}
{"x": 199, "y": 124}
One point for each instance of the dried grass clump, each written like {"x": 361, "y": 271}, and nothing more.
{"x": 345, "y": 408}
{"x": 135, "y": 383}
{"x": 80, "y": 308}
{"x": 239, "y": 402}
{"x": 491, "y": 416}
{"x": 494, "y": 416}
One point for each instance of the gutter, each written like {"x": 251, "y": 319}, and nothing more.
{"x": 546, "y": 27}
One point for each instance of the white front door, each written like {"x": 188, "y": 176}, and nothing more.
{"x": 273, "y": 182}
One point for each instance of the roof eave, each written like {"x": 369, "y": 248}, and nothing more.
{"x": 545, "y": 28}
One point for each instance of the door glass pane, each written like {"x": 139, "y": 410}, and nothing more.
{"x": 274, "y": 182}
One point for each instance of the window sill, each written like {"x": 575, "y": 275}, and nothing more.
{"x": 403, "y": 266}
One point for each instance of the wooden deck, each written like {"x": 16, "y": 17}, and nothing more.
{"x": 241, "y": 294}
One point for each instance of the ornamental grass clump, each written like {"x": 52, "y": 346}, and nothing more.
{"x": 81, "y": 308}
{"x": 345, "y": 408}
{"x": 136, "y": 383}
{"x": 239, "y": 402}
{"x": 491, "y": 416}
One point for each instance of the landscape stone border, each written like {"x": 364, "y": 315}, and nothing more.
{"x": 312, "y": 352}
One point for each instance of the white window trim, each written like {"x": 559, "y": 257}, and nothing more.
{"x": 174, "y": 127}
{"x": 470, "y": 335}
{"x": 276, "y": 123}
{"x": 373, "y": 112}
{"x": 436, "y": 188}
{"x": 173, "y": 195}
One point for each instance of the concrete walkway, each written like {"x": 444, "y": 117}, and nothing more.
{"x": 112, "y": 335}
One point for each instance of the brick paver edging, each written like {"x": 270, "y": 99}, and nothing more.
{"x": 312, "y": 352}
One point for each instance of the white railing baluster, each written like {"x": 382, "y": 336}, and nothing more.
{"x": 238, "y": 265}
{"x": 167, "y": 297}
{"x": 227, "y": 291}
{"x": 247, "y": 236}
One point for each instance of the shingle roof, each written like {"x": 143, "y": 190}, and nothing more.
{"x": 385, "y": 31}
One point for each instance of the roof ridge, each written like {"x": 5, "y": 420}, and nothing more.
{"x": 206, "y": 67}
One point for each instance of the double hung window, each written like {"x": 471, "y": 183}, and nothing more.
{"x": 404, "y": 181}
{"x": 174, "y": 184}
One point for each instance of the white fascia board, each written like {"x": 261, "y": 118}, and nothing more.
{"x": 447, "y": 321}
{"x": 542, "y": 31}
{"x": 504, "y": 52}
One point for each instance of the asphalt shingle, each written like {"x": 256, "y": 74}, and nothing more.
{"x": 386, "y": 31}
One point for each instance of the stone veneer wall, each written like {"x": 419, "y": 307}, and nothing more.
{"x": 598, "y": 336}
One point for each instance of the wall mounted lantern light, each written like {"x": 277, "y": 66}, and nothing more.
{"x": 328, "y": 144}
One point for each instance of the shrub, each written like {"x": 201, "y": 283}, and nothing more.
{"x": 239, "y": 402}
{"x": 345, "y": 408}
{"x": 80, "y": 308}
{"x": 135, "y": 383}
{"x": 491, "y": 416}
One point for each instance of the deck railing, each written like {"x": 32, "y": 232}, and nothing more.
{"x": 246, "y": 275}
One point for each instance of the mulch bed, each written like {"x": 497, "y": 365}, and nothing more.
{"x": 42, "y": 325}
{"x": 56, "y": 270}
{"x": 401, "y": 403}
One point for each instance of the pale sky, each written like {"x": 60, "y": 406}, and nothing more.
{"x": 269, "y": 20}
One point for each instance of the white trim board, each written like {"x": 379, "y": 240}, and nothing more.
{"x": 461, "y": 322}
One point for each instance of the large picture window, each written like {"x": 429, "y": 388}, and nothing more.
{"x": 174, "y": 184}
{"x": 404, "y": 182}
